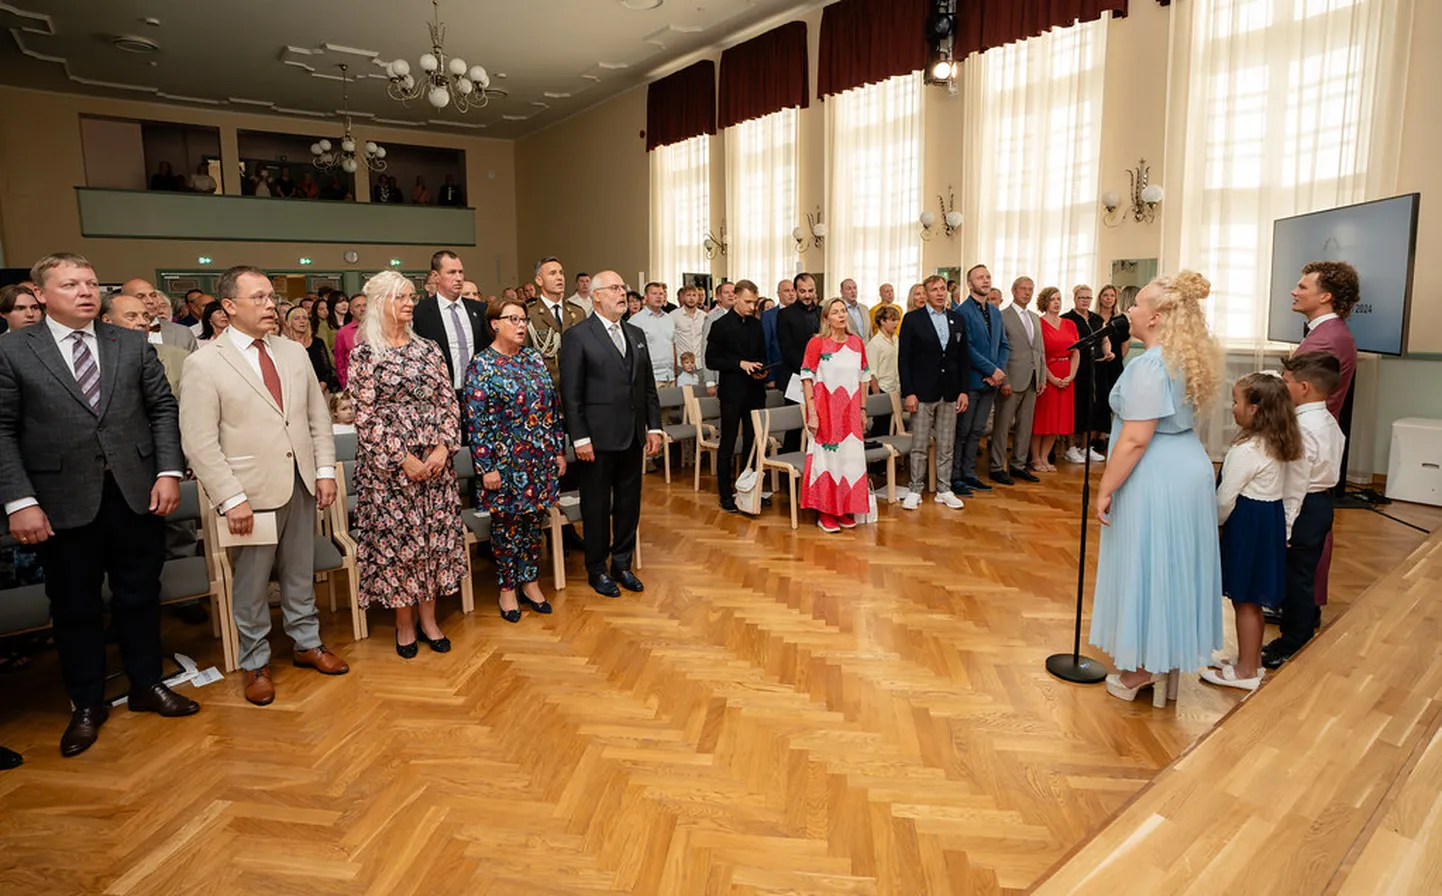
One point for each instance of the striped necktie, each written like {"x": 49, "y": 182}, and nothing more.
{"x": 86, "y": 373}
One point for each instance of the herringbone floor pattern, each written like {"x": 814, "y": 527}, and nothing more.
{"x": 780, "y": 712}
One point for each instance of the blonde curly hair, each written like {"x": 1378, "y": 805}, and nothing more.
{"x": 1188, "y": 345}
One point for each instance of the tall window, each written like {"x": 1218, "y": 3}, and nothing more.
{"x": 680, "y": 209}
{"x": 1284, "y": 112}
{"x": 873, "y": 156}
{"x": 761, "y": 198}
{"x": 1033, "y": 150}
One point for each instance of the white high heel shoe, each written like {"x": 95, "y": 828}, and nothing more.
{"x": 1163, "y": 684}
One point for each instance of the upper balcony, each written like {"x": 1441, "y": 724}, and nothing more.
{"x": 158, "y": 214}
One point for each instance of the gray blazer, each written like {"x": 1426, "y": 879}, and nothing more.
{"x": 178, "y": 336}
{"x": 56, "y": 449}
{"x": 1028, "y": 357}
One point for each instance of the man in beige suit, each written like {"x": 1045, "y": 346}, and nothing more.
{"x": 257, "y": 433}
{"x": 1025, "y": 379}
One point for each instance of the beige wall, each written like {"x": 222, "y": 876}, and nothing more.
{"x": 41, "y": 162}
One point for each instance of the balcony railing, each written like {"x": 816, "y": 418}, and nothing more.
{"x": 143, "y": 214}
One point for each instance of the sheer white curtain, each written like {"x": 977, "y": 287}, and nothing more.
{"x": 1276, "y": 108}
{"x": 761, "y": 199}
{"x": 873, "y": 179}
{"x": 1031, "y": 157}
{"x": 680, "y": 210}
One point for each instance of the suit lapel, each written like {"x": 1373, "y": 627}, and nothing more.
{"x": 232, "y": 357}
{"x": 43, "y": 344}
{"x": 433, "y": 306}
{"x": 108, "y": 349}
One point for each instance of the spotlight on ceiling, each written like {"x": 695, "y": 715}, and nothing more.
{"x": 940, "y": 37}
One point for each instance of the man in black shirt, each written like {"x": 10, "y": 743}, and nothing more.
{"x": 451, "y": 195}
{"x": 795, "y": 325}
{"x": 736, "y": 350}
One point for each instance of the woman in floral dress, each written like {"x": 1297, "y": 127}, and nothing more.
{"x": 411, "y": 542}
{"x": 834, "y": 375}
{"x": 518, "y": 443}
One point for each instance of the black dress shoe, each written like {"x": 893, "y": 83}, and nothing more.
{"x": 10, "y": 759}
{"x": 193, "y": 613}
{"x": 604, "y": 585}
{"x": 999, "y": 476}
{"x": 162, "y": 700}
{"x": 409, "y": 651}
{"x": 959, "y": 489}
{"x": 975, "y": 484}
{"x": 1275, "y": 655}
{"x": 543, "y": 606}
{"x": 439, "y": 645}
{"x": 1271, "y": 616}
{"x": 1024, "y": 475}
{"x": 627, "y": 580}
{"x": 83, "y": 729}
{"x": 730, "y": 507}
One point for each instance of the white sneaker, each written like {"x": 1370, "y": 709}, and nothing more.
{"x": 911, "y": 501}
{"x": 1097, "y": 456}
{"x": 950, "y": 500}
{"x": 1074, "y": 456}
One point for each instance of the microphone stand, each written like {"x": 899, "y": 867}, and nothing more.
{"x": 1073, "y": 666}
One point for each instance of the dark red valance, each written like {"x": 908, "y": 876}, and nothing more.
{"x": 983, "y": 24}
{"x": 867, "y": 41}
{"x": 764, "y": 75}
{"x": 681, "y": 105}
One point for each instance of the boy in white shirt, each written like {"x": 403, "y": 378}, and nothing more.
{"x": 1307, "y": 497}
{"x": 689, "y": 375}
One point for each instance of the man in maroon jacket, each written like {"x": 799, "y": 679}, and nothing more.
{"x": 1325, "y": 294}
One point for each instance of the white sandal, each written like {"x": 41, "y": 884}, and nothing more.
{"x": 1227, "y": 677}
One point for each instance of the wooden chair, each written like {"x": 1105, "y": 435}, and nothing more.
{"x": 683, "y": 433}
{"x": 770, "y": 422}
{"x": 704, "y": 413}
{"x": 775, "y": 398}
{"x": 878, "y": 405}
{"x": 477, "y": 522}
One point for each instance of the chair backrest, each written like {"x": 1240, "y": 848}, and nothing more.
{"x": 188, "y": 510}
{"x": 878, "y": 405}
{"x": 345, "y": 446}
{"x": 898, "y": 422}
{"x": 464, "y": 465}
{"x": 776, "y": 398}
{"x": 671, "y": 397}
{"x": 783, "y": 419}
{"x": 709, "y": 407}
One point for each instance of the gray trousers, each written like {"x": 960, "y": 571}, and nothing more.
{"x": 970, "y": 426}
{"x": 1014, "y": 416}
{"x": 293, "y": 556}
{"x": 933, "y": 419}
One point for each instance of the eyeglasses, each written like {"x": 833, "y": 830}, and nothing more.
{"x": 620, "y": 286}
{"x": 262, "y": 300}
{"x": 516, "y": 319}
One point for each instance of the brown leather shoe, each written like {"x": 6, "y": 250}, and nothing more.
{"x": 259, "y": 689}
{"x": 321, "y": 660}
{"x": 160, "y": 699}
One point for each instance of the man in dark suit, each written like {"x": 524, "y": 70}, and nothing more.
{"x": 90, "y": 464}
{"x": 989, "y": 351}
{"x": 608, "y": 391}
{"x": 931, "y": 362}
{"x": 736, "y": 350}
{"x": 451, "y": 195}
{"x": 795, "y": 325}
{"x": 458, "y": 325}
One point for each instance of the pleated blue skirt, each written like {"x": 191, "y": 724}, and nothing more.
{"x": 1254, "y": 553}
{"x": 1158, "y": 603}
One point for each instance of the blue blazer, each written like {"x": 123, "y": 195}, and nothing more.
{"x": 987, "y": 354}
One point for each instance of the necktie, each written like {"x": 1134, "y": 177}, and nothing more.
{"x": 463, "y": 342}
{"x": 556, "y": 310}
{"x": 617, "y": 339}
{"x": 268, "y": 373}
{"x": 86, "y": 373}
{"x": 1026, "y": 322}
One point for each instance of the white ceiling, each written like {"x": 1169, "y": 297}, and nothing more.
{"x": 552, "y": 58}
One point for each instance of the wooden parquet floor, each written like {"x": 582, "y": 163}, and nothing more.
{"x": 781, "y": 712}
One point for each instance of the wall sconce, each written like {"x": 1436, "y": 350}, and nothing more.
{"x": 1145, "y": 197}
{"x": 714, "y": 244}
{"x": 813, "y": 235}
{"x": 950, "y": 217}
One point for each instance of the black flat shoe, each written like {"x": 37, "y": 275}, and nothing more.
{"x": 511, "y": 616}
{"x": 83, "y": 730}
{"x": 1001, "y": 478}
{"x": 543, "y": 606}
{"x": 975, "y": 484}
{"x": 439, "y": 645}
{"x": 408, "y": 651}
{"x": 627, "y": 580}
{"x": 10, "y": 759}
{"x": 163, "y": 701}
{"x": 604, "y": 585}
{"x": 1023, "y": 475}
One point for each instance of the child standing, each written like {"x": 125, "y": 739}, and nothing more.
{"x": 1253, "y": 518}
{"x": 1307, "y": 496}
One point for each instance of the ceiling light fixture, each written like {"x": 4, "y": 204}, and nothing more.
{"x": 940, "y": 40}
{"x": 444, "y": 80}
{"x": 328, "y": 156}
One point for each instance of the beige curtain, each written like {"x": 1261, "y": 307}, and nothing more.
{"x": 761, "y": 206}
{"x": 680, "y": 210}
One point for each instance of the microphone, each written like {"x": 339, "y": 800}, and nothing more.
{"x": 1119, "y": 329}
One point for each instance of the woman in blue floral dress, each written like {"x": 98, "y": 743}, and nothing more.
{"x": 513, "y": 417}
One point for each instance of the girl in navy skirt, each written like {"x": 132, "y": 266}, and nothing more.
{"x": 1254, "y": 525}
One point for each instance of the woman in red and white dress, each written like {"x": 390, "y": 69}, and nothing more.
{"x": 834, "y": 376}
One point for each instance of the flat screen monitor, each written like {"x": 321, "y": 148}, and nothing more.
{"x": 1379, "y": 239}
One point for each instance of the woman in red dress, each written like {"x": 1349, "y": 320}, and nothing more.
{"x": 1055, "y": 406}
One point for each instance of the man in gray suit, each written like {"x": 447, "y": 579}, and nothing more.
{"x": 1025, "y": 378}
{"x": 162, "y": 330}
{"x": 90, "y": 464}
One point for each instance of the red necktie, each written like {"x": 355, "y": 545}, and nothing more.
{"x": 269, "y": 373}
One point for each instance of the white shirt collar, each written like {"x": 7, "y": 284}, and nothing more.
{"x": 449, "y": 302}
{"x": 241, "y": 341}
{"x": 60, "y": 331}
{"x": 1311, "y": 407}
{"x": 1321, "y": 319}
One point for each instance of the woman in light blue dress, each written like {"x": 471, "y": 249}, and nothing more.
{"x": 1158, "y": 604}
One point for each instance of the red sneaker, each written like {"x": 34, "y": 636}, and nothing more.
{"x": 828, "y": 523}
{"x": 846, "y": 521}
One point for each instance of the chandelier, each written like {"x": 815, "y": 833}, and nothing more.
{"x": 326, "y": 156}
{"x": 443, "y": 80}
